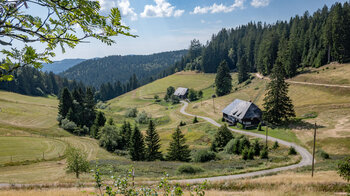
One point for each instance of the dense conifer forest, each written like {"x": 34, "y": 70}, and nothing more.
{"x": 95, "y": 72}
{"x": 303, "y": 41}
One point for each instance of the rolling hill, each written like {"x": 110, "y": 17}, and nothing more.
{"x": 59, "y": 66}
{"x": 34, "y": 117}
{"x": 111, "y": 69}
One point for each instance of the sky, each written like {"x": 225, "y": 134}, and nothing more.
{"x": 166, "y": 25}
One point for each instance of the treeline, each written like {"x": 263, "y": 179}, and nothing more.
{"x": 30, "y": 81}
{"x": 95, "y": 72}
{"x": 302, "y": 41}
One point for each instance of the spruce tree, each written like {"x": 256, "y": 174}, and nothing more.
{"x": 242, "y": 69}
{"x": 137, "y": 146}
{"x": 89, "y": 108}
{"x": 278, "y": 106}
{"x": 223, "y": 80}
{"x": 100, "y": 119}
{"x": 152, "y": 143}
{"x": 178, "y": 150}
{"x": 65, "y": 103}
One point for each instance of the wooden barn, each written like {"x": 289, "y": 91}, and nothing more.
{"x": 181, "y": 92}
{"x": 244, "y": 112}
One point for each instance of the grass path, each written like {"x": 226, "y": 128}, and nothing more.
{"x": 305, "y": 161}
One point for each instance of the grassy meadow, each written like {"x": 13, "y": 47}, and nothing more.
{"x": 28, "y": 128}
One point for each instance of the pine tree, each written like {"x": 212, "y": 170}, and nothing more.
{"x": 277, "y": 104}
{"x": 89, "y": 108}
{"x": 137, "y": 146}
{"x": 223, "y": 80}
{"x": 242, "y": 69}
{"x": 65, "y": 103}
{"x": 100, "y": 119}
{"x": 178, "y": 150}
{"x": 152, "y": 143}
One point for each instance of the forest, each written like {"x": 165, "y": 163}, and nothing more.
{"x": 95, "y": 72}
{"x": 303, "y": 41}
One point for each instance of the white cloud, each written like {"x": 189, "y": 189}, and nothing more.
{"x": 126, "y": 10}
{"x": 106, "y": 4}
{"x": 161, "y": 9}
{"x": 260, "y": 3}
{"x": 217, "y": 8}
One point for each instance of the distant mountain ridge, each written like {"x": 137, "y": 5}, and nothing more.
{"x": 94, "y": 72}
{"x": 59, "y": 66}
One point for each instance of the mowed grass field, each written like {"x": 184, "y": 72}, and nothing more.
{"x": 29, "y": 129}
{"x": 331, "y": 104}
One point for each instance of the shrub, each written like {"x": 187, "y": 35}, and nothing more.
{"x": 259, "y": 127}
{"x": 204, "y": 156}
{"x": 275, "y": 145}
{"x": 251, "y": 154}
{"x": 131, "y": 113}
{"x": 292, "y": 151}
{"x": 264, "y": 154}
{"x": 195, "y": 120}
{"x": 229, "y": 148}
{"x": 182, "y": 123}
{"x": 101, "y": 105}
{"x": 222, "y": 137}
{"x": 143, "y": 118}
{"x": 256, "y": 147}
{"x": 175, "y": 99}
{"x": 245, "y": 153}
{"x": 68, "y": 125}
{"x": 344, "y": 168}
{"x": 244, "y": 143}
{"x": 189, "y": 169}
{"x": 156, "y": 97}
{"x": 323, "y": 154}
{"x": 110, "y": 138}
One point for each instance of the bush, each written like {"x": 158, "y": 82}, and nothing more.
{"x": 264, "y": 154}
{"x": 189, "y": 169}
{"x": 244, "y": 143}
{"x": 275, "y": 145}
{"x": 256, "y": 147}
{"x": 143, "y": 118}
{"x": 323, "y": 154}
{"x": 344, "y": 169}
{"x": 251, "y": 154}
{"x": 292, "y": 151}
{"x": 204, "y": 156}
{"x": 68, "y": 125}
{"x": 195, "y": 120}
{"x": 156, "y": 97}
{"x": 101, "y": 105}
{"x": 175, "y": 99}
{"x": 221, "y": 138}
{"x": 259, "y": 127}
{"x": 182, "y": 123}
{"x": 131, "y": 113}
{"x": 229, "y": 148}
{"x": 110, "y": 138}
{"x": 245, "y": 153}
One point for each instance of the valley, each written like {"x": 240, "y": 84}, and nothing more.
{"x": 329, "y": 103}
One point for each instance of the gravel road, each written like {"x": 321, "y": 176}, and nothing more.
{"x": 306, "y": 157}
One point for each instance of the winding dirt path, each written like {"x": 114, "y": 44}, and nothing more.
{"x": 304, "y": 83}
{"x": 306, "y": 157}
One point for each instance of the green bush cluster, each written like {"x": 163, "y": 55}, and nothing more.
{"x": 189, "y": 169}
{"x": 204, "y": 156}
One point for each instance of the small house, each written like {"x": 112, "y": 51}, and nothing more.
{"x": 244, "y": 112}
{"x": 181, "y": 92}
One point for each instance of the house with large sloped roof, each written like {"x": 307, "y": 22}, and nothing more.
{"x": 244, "y": 112}
{"x": 181, "y": 92}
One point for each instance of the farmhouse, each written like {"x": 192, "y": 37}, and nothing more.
{"x": 181, "y": 92}
{"x": 244, "y": 112}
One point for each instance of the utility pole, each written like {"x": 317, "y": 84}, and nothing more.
{"x": 313, "y": 152}
{"x": 267, "y": 129}
{"x": 213, "y": 96}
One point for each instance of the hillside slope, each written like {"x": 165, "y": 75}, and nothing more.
{"x": 119, "y": 68}
{"x": 59, "y": 66}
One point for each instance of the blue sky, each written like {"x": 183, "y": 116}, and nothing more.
{"x": 164, "y": 25}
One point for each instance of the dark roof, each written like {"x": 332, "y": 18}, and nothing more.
{"x": 242, "y": 110}
{"x": 181, "y": 91}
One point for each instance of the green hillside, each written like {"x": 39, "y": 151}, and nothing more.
{"x": 28, "y": 127}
